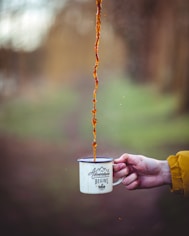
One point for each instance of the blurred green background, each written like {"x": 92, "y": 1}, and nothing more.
{"x": 46, "y": 85}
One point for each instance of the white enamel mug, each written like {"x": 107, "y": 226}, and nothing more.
{"x": 96, "y": 177}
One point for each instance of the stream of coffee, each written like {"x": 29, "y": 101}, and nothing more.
{"x": 95, "y": 76}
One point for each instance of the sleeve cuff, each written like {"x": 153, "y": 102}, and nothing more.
{"x": 176, "y": 175}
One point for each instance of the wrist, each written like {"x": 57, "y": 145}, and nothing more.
{"x": 165, "y": 172}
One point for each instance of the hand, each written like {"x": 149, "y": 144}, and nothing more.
{"x": 141, "y": 172}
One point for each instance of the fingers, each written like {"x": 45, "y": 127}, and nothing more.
{"x": 131, "y": 181}
{"x": 123, "y": 168}
{"x": 119, "y": 166}
{"x": 133, "y": 185}
{"x": 122, "y": 159}
{"x": 120, "y": 170}
{"x": 129, "y": 159}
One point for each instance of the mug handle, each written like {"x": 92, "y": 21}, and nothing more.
{"x": 118, "y": 181}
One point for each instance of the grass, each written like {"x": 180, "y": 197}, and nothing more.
{"x": 38, "y": 117}
{"x": 139, "y": 118}
{"x": 133, "y": 117}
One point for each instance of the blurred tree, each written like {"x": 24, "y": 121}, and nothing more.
{"x": 156, "y": 35}
{"x": 69, "y": 46}
{"x": 70, "y": 37}
{"x": 181, "y": 57}
{"x": 132, "y": 21}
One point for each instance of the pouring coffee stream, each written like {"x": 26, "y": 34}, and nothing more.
{"x": 95, "y": 76}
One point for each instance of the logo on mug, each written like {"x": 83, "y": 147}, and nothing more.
{"x": 101, "y": 187}
{"x": 100, "y": 176}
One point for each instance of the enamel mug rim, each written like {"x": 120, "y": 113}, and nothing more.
{"x": 99, "y": 159}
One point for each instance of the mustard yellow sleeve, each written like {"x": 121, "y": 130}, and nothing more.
{"x": 179, "y": 167}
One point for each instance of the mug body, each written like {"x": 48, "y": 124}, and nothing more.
{"x": 96, "y": 177}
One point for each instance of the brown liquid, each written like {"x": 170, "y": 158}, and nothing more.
{"x": 94, "y": 110}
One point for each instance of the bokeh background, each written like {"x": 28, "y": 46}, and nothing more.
{"x": 46, "y": 84}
